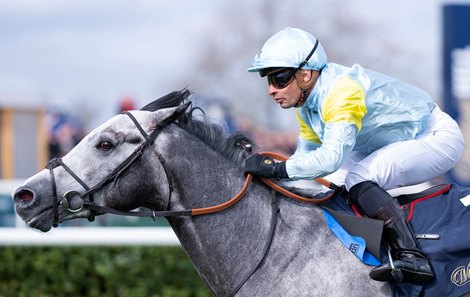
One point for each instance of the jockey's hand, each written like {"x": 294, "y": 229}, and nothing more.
{"x": 263, "y": 166}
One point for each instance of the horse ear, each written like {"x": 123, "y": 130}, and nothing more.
{"x": 169, "y": 100}
{"x": 167, "y": 116}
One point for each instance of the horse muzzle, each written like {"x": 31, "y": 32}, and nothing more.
{"x": 31, "y": 211}
{"x": 39, "y": 215}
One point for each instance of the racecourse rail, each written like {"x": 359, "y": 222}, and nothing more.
{"x": 20, "y": 234}
{"x": 156, "y": 236}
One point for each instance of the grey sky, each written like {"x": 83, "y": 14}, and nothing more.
{"x": 82, "y": 53}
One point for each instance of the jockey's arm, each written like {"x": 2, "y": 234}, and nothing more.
{"x": 342, "y": 112}
{"x": 338, "y": 141}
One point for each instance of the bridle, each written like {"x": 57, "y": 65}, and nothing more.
{"x": 111, "y": 177}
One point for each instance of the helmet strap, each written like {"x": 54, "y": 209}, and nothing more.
{"x": 303, "y": 97}
{"x": 305, "y": 86}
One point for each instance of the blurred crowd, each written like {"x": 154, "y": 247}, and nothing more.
{"x": 65, "y": 130}
{"x": 267, "y": 140}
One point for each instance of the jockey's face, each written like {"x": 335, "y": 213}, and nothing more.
{"x": 289, "y": 95}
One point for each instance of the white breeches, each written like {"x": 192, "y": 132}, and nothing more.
{"x": 434, "y": 151}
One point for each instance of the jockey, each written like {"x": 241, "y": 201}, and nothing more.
{"x": 402, "y": 137}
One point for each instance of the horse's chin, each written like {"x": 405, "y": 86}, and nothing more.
{"x": 42, "y": 221}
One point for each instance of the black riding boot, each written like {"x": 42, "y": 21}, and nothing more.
{"x": 408, "y": 262}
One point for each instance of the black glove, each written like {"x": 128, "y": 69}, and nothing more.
{"x": 265, "y": 167}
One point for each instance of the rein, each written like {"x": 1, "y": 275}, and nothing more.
{"x": 273, "y": 185}
{"x": 87, "y": 196}
{"x": 227, "y": 204}
{"x": 289, "y": 194}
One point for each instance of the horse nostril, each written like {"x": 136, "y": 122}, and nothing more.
{"x": 24, "y": 195}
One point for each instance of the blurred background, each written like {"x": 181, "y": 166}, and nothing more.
{"x": 67, "y": 66}
{"x": 83, "y": 61}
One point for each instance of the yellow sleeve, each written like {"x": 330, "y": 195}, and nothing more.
{"x": 345, "y": 102}
{"x": 306, "y": 132}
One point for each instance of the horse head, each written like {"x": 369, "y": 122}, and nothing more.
{"x": 95, "y": 172}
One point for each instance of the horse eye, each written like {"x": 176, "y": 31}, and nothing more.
{"x": 105, "y": 146}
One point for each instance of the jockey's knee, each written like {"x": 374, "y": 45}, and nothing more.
{"x": 357, "y": 175}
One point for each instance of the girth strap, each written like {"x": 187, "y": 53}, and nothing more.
{"x": 267, "y": 246}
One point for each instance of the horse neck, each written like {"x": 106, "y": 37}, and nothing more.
{"x": 222, "y": 246}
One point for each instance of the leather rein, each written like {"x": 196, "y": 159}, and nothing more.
{"x": 87, "y": 196}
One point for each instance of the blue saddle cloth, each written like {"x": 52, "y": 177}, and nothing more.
{"x": 445, "y": 213}
{"x": 356, "y": 244}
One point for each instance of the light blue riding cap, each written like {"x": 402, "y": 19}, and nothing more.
{"x": 289, "y": 48}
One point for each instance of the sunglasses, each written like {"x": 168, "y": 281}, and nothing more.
{"x": 282, "y": 78}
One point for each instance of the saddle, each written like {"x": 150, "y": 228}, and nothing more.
{"x": 439, "y": 217}
{"x": 370, "y": 229}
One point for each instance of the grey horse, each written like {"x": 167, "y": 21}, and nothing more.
{"x": 168, "y": 160}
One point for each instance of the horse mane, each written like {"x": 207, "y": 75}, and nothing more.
{"x": 232, "y": 147}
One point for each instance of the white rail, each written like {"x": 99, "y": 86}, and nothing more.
{"x": 158, "y": 236}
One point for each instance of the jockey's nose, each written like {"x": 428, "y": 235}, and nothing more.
{"x": 271, "y": 90}
{"x": 23, "y": 195}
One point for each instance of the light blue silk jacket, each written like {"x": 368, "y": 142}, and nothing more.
{"x": 354, "y": 109}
